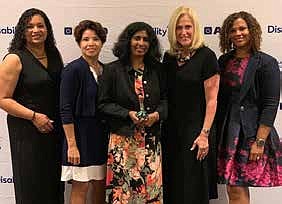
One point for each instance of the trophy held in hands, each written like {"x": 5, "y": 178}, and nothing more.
{"x": 142, "y": 113}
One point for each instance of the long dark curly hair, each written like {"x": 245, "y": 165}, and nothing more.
{"x": 122, "y": 46}
{"x": 253, "y": 26}
{"x": 19, "y": 41}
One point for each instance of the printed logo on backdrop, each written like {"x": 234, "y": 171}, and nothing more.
{"x": 160, "y": 31}
{"x": 68, "y": 30}
{"x": 274, "y": 29}
{"x": 7, "y": 30}
{"x": 6, "y": 180}
{"x": 211, "y": 30}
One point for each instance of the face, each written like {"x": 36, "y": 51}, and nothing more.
{"x": 184, "y": 31}
{"x": 139, "y": 43}
{"x": 239, "y": 34}
{"x": 36, "y": 31}
{"x": 90, "y": 44}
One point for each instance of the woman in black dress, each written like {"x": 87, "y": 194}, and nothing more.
{"x": 192, "y": 91}
{"x": 84, "y": 149}
{"x": 29, "y": 81}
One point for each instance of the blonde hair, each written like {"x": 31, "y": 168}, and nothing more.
{"x": 198, "y": 39}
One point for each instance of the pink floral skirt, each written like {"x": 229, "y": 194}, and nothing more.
{"x": 235, "y": 168}
{"x": 134, "y": 170}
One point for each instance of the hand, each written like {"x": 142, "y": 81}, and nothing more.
{"x": 42, "y": 123}
{"x": 151, "y": 119}
{"x": 135, "y": 119}
{"x": 202, "y": 142}
{"x": 73, "y": 155}
{"x": 256, "y": 152}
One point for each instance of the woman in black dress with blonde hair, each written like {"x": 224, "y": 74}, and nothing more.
{"x": 189, "y": 140}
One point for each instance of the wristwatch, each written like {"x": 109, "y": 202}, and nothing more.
{"x": 260, "y": 142}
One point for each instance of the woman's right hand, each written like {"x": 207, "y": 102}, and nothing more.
{"x": 73, "y": 155}
{"x": 42, "y": 123}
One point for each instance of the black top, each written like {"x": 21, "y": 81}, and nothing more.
{"x": 34, "y": 154}
{"x": 186, "y": 94}
{"x": 31, "y": 90}
{"x": 117, "y": 95}
{"x": 78, "y": 106}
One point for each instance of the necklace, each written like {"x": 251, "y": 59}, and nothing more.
{"x": 180, "y": 58}
{"x": 41, "y": 57}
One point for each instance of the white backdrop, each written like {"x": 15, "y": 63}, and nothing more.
{"x": 115, "y": 15}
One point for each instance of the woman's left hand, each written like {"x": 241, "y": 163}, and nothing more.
{"x": 42, "y": 123}
{"x": 151, "y": 119}
{"x": 256, "y": 152}
{"x": 202, "y": 141}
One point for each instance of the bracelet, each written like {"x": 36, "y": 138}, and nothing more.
{"x": 205, "y": 131}
{"x": 33, "y": 116}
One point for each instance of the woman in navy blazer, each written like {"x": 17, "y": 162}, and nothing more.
{"x": 249, "y": 147}
{"x": 84, "y": 152}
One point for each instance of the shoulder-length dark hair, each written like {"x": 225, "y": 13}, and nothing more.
{"x": 19, "y": 41}
{"x": 253, "y": 26}
{"x": 122, "y": 46}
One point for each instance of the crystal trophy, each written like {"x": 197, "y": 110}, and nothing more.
{"x": 142, "y": 113}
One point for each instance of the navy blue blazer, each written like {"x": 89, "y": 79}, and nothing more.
{"x": 78, "y": 97}
{"x": 78, "y": 106}
{"x": 258, "y": 98}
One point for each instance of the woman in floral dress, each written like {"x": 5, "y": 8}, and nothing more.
{"x": 249, "y": 147}
{"x": 132, "y": 97}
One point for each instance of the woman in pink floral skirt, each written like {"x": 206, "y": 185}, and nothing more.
{"x": 250, "y": 152}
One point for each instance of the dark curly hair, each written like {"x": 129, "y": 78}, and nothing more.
{"x": 88, "y": 24}
{"x": 253, "y": 26}
{"x": 18, "y": 42}
{"x": 122, "y": 46}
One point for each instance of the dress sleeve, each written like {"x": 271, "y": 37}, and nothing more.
{"x": 107, "y": 102}
{"x": 68, "y": 90}
{"x": 210, "y": 65}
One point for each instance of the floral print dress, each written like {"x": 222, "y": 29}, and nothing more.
{"x": 134, "y": 167}
{"x": 234, "y": 166}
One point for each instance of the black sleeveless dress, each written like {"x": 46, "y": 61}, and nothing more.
{"x": 36, "y": 156}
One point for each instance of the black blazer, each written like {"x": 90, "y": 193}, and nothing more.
{"x": 258, "y": 98}
{"x": 117, "y": 96}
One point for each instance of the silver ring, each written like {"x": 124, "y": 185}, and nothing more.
{"x": 258, "y": 157}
